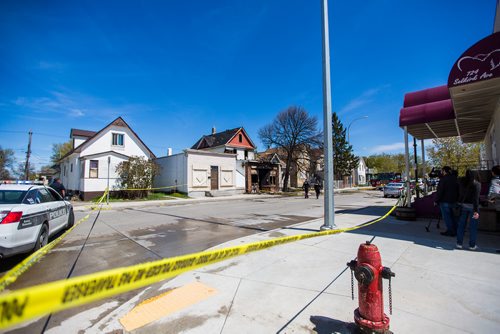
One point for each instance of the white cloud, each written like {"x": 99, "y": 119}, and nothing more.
{"x": 394, "y": 147}
{"x": 76, "y": 105}
{"x": 361, "y": 100}
{"x": 47, "y": 65}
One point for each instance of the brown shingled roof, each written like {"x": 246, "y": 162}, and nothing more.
{"x": 81, "y": 133}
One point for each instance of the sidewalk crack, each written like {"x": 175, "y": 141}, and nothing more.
{"x": 230, "y": 306}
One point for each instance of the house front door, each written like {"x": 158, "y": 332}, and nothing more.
{"x": 214, "y": 177}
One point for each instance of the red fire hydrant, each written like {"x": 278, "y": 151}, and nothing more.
{"x": 368, "y": 270}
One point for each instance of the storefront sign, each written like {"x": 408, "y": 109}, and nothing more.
{"x": 480, "y": 62}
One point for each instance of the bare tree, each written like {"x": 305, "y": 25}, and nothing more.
{"x": 292, "y": 130}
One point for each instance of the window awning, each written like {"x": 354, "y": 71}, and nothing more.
{"x": 474, "y": 84}
{"x": 429, "y": 113}
{"x": 465, "y": 106}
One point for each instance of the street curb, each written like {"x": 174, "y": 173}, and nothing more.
{"x": 84, "y": 206}
{"x": 124, "y": 205}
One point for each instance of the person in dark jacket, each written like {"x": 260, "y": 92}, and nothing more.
{"x": 446, "y": 198}
{"x": 306, "y": 186}
{"x": 317, "y": 189}
{"x": 469, "y": 202}
{"x": 58, "y": 186}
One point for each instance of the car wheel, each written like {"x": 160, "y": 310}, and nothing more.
{"x": 71, "y": 219}
{"x": 43, "y": 237}
{"x": 385, "y": 196}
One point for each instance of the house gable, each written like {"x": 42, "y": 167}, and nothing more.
{"x": 120, "y": 127}
{"x": 228, "y": 138}
{"x": 240, "y": 139}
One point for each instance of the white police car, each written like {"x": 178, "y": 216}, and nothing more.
{"x": 29, "y": 214}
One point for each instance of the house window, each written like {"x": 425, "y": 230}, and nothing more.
{"x": 71, "y": 168}
{"x": 64, "y": 170}
{"x": 93, "y": 170}
{"x": 272, "y": 180}
{"x": 240, "y": 138}
{"x": 246, "y": 155}
{"x": 117, "y": 139}
{"x": 82, "y": 169}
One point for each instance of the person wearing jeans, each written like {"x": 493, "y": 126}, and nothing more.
{"x": 469, "y": 199}
{"x": 446, "y": 198}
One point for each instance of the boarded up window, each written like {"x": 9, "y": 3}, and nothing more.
{"x": 226, "y": 178}
{"x": 200, "y": 178}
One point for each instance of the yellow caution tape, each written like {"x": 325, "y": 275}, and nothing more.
{"x": 24, "y": 304}
{"x": 12, "y": 275}
{"x": 139, "y": 189}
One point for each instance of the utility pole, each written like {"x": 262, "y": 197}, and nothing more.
{"x": 28, "y": 153}
{"x": 329, "y": 222}
{"x": 107, "y": 187}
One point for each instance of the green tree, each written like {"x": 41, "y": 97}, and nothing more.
{"x": 60, "y": 150}
{"x": 344, "y": 160}
{"x": 386, "y": 163}
{"x": 136, "y": 173}
{"x": 292, "y": 131}
{"x": 7, "y": 161}
{"x": 454, "y": 153}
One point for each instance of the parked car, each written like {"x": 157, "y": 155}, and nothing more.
{"x": 29, "y": 215}
{"x": 393, "y": 189}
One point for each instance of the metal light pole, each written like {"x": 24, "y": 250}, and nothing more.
{"x": 329, "y": 222}
{"x": 424, "y": 169}
{"x": 349, "y": 126}
{"x": 407, "y": 169}
{"x": 349, "y": 141}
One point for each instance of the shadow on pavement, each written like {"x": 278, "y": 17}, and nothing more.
{"x": 416, "y": 232}
{"x": 10, "y": 262}
{"x": 325, "y": 325}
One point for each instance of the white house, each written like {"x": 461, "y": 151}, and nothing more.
{"x": 233, "y": 141}
{"x": 359, "y": 173}
{"x": 91, "y": 165}
{"x": 198, "y": 173}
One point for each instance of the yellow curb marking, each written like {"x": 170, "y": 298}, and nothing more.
{"x": 166, "y": 303}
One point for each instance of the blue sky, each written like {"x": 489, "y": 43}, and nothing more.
{"x": 173, "y": 69}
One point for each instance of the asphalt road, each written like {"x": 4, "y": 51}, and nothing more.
{"x": 134, "y": 235}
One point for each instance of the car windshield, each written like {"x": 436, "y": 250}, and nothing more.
{"x": 11, "y": 196}
{"x": 395, "y": 185}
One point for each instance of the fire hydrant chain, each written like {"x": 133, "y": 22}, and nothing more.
{"x": 390, "y": 297}
{"x": 352, "y": 284}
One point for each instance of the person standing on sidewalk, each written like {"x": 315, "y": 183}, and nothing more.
{"x": 306, "y": 186}
{"x": 469, "y": 208}
{"x": 446, "y": 198}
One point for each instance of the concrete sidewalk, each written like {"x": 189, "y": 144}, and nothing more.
{"x": 305, "y": 287}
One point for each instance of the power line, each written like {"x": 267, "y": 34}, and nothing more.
{"x": 35, "y": 133}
